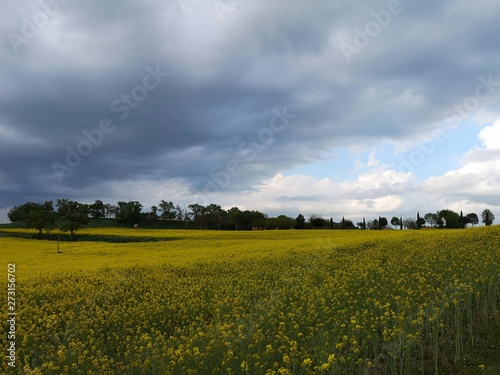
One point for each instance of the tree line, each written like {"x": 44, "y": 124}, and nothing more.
{"x": 72, "y": 215}
{"x": 440, "y": 219}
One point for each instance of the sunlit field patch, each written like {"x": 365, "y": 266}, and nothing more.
{"x": 268, "y": 302}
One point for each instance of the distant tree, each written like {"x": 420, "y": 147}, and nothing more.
{"x": 431, "y": 219}
{"x": 343, "y": 223}
{"x": 20, "y": 213}
{"x": 62, "y": 206}
{"x": 472, "y": 219}
{"x": 395, "y": 221}
{"x": 452, "y": 218}
{"x": 180, "y": 214}
{"x": 462, "y": 220}
{"x": 40, "y": 220}
{"x": 487, "y": 217}
{"x": 167, "y": 210}
{"x": 300, "y": 220}
{"x": 348, "y": 224}
{"x": 373, "y": 224}
{"x": 280, "y": 222}
{"x": 401, "y": 223}
{"x": 197, "y": 214}
{"x": 318, "y": 222}
{"x": 360, "y": 224}
{"x": 16, "y": 214}
{"x": 312, "y": 218}
{"x": 364, "y": 224}
{"x": 154, "y": 212}
{"x": 410, "y": 223}
{"x": 109, "y": 210}
{"x": 214, "y": 215}
{"x": 331, "y": 223}
{"x": 97, "y": 209}
{"x": 234, "y": 217}
{"x": 252, "y": 219}
{"x": 74, "y": 215}
{"x": 420, "y": 221}
{"x": 41, "y": 217}
{"x": 128, "y": 212}
{"x": 383, "y": 222}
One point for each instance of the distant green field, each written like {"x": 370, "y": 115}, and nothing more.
{"x": 263, "y": 302}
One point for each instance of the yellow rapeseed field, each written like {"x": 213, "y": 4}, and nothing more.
{"x": 268, "y": 302}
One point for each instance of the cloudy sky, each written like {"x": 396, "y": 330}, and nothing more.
{"x": 338, "y": 108}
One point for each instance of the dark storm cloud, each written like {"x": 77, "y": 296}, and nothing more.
{"x": 227, "y": 77}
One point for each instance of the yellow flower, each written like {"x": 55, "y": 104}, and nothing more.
{"x": 307, "y": 362}
{"x": 244, "y": 366}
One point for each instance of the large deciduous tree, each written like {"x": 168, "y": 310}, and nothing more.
{"x": 74, "y": 215}
{"x": 41, "y": 216}
{"x": 20, "y": 213}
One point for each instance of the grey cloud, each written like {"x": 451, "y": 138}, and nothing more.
{"x": 225, "y": 79}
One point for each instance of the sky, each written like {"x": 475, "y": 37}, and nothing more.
{"x": 336, "y": 108}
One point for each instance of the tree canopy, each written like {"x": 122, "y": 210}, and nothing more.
{"x": 487, "y": 217}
